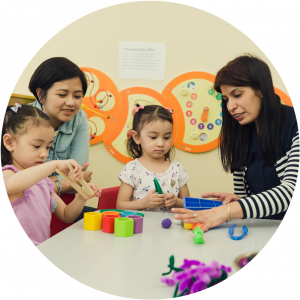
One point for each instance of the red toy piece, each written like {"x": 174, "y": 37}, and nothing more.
{"x": 108, "y": 222}
{"x": 196, "y": 225}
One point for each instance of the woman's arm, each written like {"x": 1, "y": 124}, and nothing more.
{"x": 277, "y": 199}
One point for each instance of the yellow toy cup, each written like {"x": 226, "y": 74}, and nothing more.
{"x": 92, "y": 221}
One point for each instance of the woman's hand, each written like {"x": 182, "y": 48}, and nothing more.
{"x": 224, "y": 197}
{"x": 209, "y": 218}
{"x": 154, "y": 200}
{"x": 171, "y": 200}
{"x": 96, "y": 190}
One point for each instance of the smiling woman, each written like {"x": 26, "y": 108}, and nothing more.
{"x": 59, "y": 86}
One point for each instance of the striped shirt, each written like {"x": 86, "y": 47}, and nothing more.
{"x": 276, "y": 199}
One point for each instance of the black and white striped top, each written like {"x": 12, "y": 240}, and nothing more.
{"x": 277, "y": 199}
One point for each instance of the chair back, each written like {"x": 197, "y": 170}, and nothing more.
{"x": 108, "y": 198}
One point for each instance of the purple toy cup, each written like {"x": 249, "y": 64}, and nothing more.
{"x": 138, "y": 223}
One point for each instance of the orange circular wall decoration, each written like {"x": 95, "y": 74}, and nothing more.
{"x": 198, "y": 108}
{"x": 102, "y": 104}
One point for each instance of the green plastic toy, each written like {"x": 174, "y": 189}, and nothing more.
{"x": 124, "y": 227}
{"x": 198, "y": 237}
{"x": 157, "y": 186}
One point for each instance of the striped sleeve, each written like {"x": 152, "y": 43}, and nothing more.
{"x": 277, "y": 199}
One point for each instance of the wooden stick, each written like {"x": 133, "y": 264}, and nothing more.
{"x": 85, "y": 187}
{"x": 72, "y": 183}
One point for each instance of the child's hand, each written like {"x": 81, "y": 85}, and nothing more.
{"x": 154, "y": 200}
{"x": 96, "y": 190}
{"x": 171, "y": 200}
{"x": 77, "y": 171}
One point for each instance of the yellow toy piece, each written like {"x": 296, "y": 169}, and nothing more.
{"x": 188, "y": 226}
{"x": 92, "y": 221}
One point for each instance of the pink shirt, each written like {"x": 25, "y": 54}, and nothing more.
{"x": 34, "y": 209}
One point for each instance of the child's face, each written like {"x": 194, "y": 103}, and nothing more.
{"x": 63, "y": 100}
{"x": 156, "y": 138}
{"x": 31, "y": 149}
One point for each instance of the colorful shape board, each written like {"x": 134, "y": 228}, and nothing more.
{"x": 198, "y": 108}
{"x": 102, "y": 104}
{"x": 116, "y": 142}
{"x": 199, "y": 204}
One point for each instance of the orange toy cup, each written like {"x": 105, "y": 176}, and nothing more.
{"x": 116, "y": 213}
{"x": 196, "y": 225}
{"x": 108, "y": 223}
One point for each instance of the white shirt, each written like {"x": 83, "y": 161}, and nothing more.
{"x": 141, "y": 179}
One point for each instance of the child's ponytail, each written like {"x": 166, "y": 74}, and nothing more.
{"x": 5, "y": 154}
{"x": 16, "y": 122}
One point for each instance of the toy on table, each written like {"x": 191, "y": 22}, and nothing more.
{"x": 194, "y": 276}
{"x": 127, "y": 213}
{"x": 157, "y": 186}
{"x": 138, "y": 223}
{"x": 108, "y": 223}
{"x": 124, "y": 227}
{"x": 85, "y": 190}
{"x": 92, "y": 221}
{"x": 177, "y": 222}
{"x": 244, "y": 259}
{"x": 199, "y": 204}
{"x": 166, "y": 223}
{"x": 198, "y": 237}
{"x": 231, "y": 231}
{"x": 188, "y": 226}
{"x": 131, "y": 223}
{"x": 120, "y": 210}
{"x": 197, "y": 224}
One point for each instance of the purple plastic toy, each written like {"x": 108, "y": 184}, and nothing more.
{"x": 138, "y": 223}
{"x": 166, "y": 223}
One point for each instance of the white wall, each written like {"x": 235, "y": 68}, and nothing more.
{"x": 195, "y": 41}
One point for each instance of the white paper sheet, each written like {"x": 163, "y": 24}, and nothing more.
{"x": 142, "y": 60}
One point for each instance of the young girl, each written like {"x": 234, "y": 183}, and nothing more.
{"x": 27, "y": 135}
{"x": 150, "y": 145}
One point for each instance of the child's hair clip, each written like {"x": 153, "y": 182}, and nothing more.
{"x": 137, "y": 108}
{"x": 168, "y": 109}
{"x": 16, "y": 107}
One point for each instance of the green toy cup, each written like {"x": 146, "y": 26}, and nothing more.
{"x": 124, "y": 227}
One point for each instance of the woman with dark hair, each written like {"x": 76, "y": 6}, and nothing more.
{"x": 59, "y": 86}
{"x": 259, "y": 144}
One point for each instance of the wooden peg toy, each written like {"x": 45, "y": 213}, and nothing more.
{"x": 84, "y": 190}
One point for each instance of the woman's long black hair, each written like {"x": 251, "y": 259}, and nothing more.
{"x": 235, "y": 139}
{"x": 18, "y": 123}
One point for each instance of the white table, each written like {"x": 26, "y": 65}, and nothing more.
{"x": 131, "y": 267}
